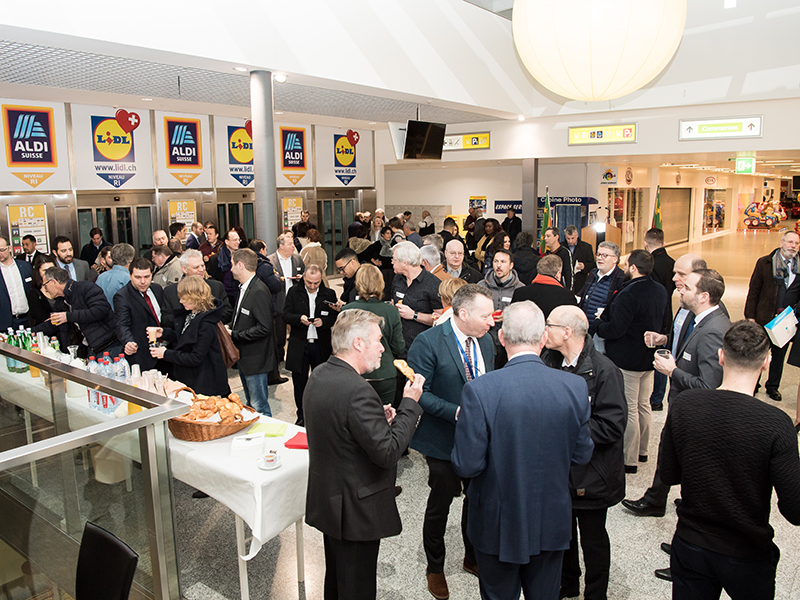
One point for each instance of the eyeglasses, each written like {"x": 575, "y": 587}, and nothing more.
{"x": 46, "y": 282}
{"x": 604, "y": 255}
{"x": 6, "y": 248}
{"x": 555, "y": 325}
{"x": 344, "y": 266}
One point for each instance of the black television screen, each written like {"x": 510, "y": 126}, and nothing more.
{"x": 424, "y": 140}
{"x": 796, "y": 183}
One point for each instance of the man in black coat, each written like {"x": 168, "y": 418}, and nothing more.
{"x": 546, "y": 290}
{"x": 354, "y": 444}
{"x": 512, "y": 224}
{"x": 663, "y": 265}
{"x": 454, "y": 253}
{"x": 265, "y": 271}
{"x": 525, "y": 257}
{"x": 601, "y": 283}
{"x": 582, "y": 257}
{"x": 135, "y": 314}
{"x": 251, "y": 331}
{"x": 90, "y": 251}
{"x": 554, "y": 247}
{"x": 192, "y": 263}
{"x": 638, "y": 307}
{"x": 310, "y": 313}
{"x": 596, "y": 486}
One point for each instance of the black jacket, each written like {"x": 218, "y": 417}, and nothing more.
{"x": 637, "y": 307}
{"x": 545, "y": 295}
{"x": 566, "y": 266}
{"x": 663, "y": 267}
{"x": 252, "y": 330}
{"x": 583, "y": 253}
{"x": 196, "y": 353}
{"x": 266, "y": 273}
{"x": 133, "y": 317}
{"x": 601, "y": 482}
{"x": 525, "y": 261}
{"x": 296, "y": 306}
{"x": 172, "y": 304}
{"x": 90, "y": 252}
{"x": 766, "y": 296}
{"x": 617, "y": 279}
{"x": 512, "y": 227}
{"x": 469, "y": 274}
{"x": 90, "y": 310}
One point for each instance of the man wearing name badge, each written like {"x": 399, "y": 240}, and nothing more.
{"x": 90, "y": 251}
{"x": 774, "y": 285}
{"x": 448, "y": 356}
{"x": 77, "y": 269}
{"x": 601, "y": 284}
{"x": 192, "y": 263}
{"x": 29, "y": 251}
{"x": 137, "y": 307}
{"x": 502, "y": 282}
{"x": 14, "y": 286}
{"x": 415, "y": 292}
{"x": 251, "y": 331}
{"x": 118, "y": 276}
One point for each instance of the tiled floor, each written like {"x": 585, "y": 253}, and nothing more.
{"x": 206, "y": 531}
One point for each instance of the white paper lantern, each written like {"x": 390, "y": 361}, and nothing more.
{"x": 597, "y": 49}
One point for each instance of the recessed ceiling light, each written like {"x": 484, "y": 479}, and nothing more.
{"x": 280, "y": 77}
{"x": 241, "y": 69}
{"x": 278, "y": 112}
{"x": 521, "y": 118}
{"x": 147, "y": 99}
{"x": 373, "y": 122}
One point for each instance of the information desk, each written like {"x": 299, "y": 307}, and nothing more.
{"x": 268, "y": 501}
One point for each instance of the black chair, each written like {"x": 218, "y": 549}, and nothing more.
{"x": 106, "y": 566}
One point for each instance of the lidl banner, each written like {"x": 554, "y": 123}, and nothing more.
{"x": 233, "y": 148}
{"x": 182, "y": 144}
{"x": 293, "y": 155}
{"x": 35, "y": 144}
{"x": 28, "y": 220}
{"x": 344, "y": 157}
{"x": 112, "y": 148}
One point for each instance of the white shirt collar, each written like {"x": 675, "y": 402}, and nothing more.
{"x": 703, "y": 314}
{"x": 523, "y": 353}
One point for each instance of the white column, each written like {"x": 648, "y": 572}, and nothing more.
{"x": 266, "y": 198}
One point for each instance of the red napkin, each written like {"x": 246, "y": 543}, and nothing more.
{"x": 298, "y": 442}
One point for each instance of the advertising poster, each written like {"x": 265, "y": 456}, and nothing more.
{"x": 112, "y": 148}
{"x": 478, "y": 202}
{"x": 293, "y": 156}
{"x": 28, "y": 220}
{"x": 183, "y": 211}
{"x": 182, "y": 144}
{"x": 35, "y": 146}
{"x": 609, "y": 176}
{"x": 233, "y": 149}
{"x": 344, "y": 157}
{"x": 292, "y": 207}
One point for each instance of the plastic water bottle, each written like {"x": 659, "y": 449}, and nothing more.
{"x": 125, "y": 365}
{"x": 107, "y": 400}
{"x": 11, "y": 364}
{"x": 22, "y": 340}
{"x": 94, "y": 396}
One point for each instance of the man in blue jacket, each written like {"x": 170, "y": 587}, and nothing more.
{"x": 519, "y": 431}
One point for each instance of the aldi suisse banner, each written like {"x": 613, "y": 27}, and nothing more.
{"x": 112, "y": 148}
{"x": 233, "y": 148}
{"x": 293, "y": 156}
{"x": 344, "y": 157}
{"x": 182, "y": 144}
{"x": 35, "y": 143}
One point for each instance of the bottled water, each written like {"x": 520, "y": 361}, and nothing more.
{"x": 106, "y": 399}
{"x": 94, "y": 396}
{"x": 125, "y": 365}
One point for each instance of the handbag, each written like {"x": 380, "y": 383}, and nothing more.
{"x": 230, "y": 353}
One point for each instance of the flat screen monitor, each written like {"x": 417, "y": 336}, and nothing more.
{"x": 424, "y": 140}
{"x": 796, "y": 183}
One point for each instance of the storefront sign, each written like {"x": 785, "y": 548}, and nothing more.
{"x": 182, "y": 211}
{"x": 467, "y": 141}
{"x": 602, "y": 134}
{"x": 732, "y": 127}
{"x": 711, "y": 180}
{"x": 28, "y": 220}
{"x": 181, "y": 141}
{"x": 292, "y": 207}
{"x": 609, "y": 176}
{"x": 583, "y": 201}
{"x": 503, "y": 206}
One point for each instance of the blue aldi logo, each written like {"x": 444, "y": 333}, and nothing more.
{"x": 293, "y": 144}
{"x": 182, "y": 137}
{"x": 29, "y": 136}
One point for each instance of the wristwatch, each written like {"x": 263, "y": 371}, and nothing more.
{"x": 416, "y": 314}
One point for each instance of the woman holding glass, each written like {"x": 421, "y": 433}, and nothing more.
{"x": 194, "y": 348}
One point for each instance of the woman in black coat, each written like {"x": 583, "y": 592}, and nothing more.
{"x": 194, "y": 346}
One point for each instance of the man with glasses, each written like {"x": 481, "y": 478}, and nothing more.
{"x": 191, "y": 262}
{"x": 454, "y": 257}
{"x": 602, "y": 283}
{"x": 289, "y": 268}
{"x": 347, "y": 264}
{"x": 14, "y": 287}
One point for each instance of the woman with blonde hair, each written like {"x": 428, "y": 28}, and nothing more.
{"x": 448, "y": 289}
{"x": 369, "y": 286}
{"x": 194, "y": 348}
{"x": 314, "y": 254}
{"x": 375, "y": 227}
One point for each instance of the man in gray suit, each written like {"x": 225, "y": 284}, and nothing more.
{"x": 78, "y": 269}
{"x": 290, "y": 268}
{"x": 695, "y": 363}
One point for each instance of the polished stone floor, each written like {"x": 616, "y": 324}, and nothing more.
{"x": 206, "y": 529}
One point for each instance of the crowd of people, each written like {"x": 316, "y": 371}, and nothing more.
{"x": 535, "y": 378}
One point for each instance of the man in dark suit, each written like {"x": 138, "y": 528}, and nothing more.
{"x": 694, "y": 364}
{"x": 354, "y": 444}
{"x": 289, "y": 267}
{"x": 78, "y": 270}
{"x": 546, "y": 290}
{"x": 251, "y": 331}
{"x": 138, "y": 305}
{"x": 663, "y": 265}
{"x": 192, "y": 263}
{"x": 582, "y": 257}
{"x": 309, "y": 311}
{"x": 521, "y": 526}
{"x": 512, "y": 224}
{"x": 29, "y": 251}
{"x": 196, "y": 237}
{"x": 601, "y": 283}
{"x": 448, "y": 356}
{"x": 14, "y": 286}
{"x": 90, "y": 251}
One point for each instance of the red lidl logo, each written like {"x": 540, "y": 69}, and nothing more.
{"x": 182, "y": 137}
{"x": 111, "y": 142}
{"x": 240, "y": 153}
{"x": 29, "y": 136}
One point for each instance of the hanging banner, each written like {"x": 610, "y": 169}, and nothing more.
{"x": 112, "y": 148}
{"x": 35, "y": 142}
{"x": 28, "y": 220}
{"x": 182, "y": 142}
{"x": 344, "y": 157}
{"x": 233, "y": 149}
{"x": 294, "y": 155}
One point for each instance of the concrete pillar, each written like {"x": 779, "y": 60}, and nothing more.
{"x": 530, "y": 186}
{"x": 266, "y": 197}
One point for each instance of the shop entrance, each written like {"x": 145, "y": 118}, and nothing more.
{"x": 627, "y": 209}
{"x": 336, "y": 214}
{"x": 128, "y": 219}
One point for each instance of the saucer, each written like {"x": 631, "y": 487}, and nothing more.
{"x": 262, "y": 464}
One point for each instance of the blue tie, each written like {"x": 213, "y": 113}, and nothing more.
{"x": 689, "y": 329}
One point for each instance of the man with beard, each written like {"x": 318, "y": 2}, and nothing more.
{"x": 501, "y": 281}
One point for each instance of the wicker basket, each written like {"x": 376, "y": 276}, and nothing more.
{"x": 194, "y": 431}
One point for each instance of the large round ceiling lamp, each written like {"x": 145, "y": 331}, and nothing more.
{"x": 597, "y": 49}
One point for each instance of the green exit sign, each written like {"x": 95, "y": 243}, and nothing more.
{"x": 746, "y": 165}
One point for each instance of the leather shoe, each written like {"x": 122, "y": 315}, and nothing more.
{"x": 665, "y": 547}
{"x": 398, "y": 489}
{"x": 471, "y": 567}
{"x": 774, "y": 394}
{"x": 643, "y": 508}
{"x": 277, "y": 381}
{"x": 199, "y": 494}
{"x": 664, "y": 574}
{"x": 678, "y": 501}
{"x": 437, "y": 586}
{"x": 643, "y": 458}
{"x": 657, "y": 406}
{"x": 568, "y": 593}
{"x": 631, "y": 468}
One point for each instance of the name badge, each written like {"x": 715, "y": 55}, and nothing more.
{"x": 506, "y": 299}
{"x": 245, "y": 311}
{"x": 687, "y": 356}
{"x": 299, "y": 268}
{"x": 323, "y": 313}
{"x": 400, "y": 294}
{"x": 27, "y": 279}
